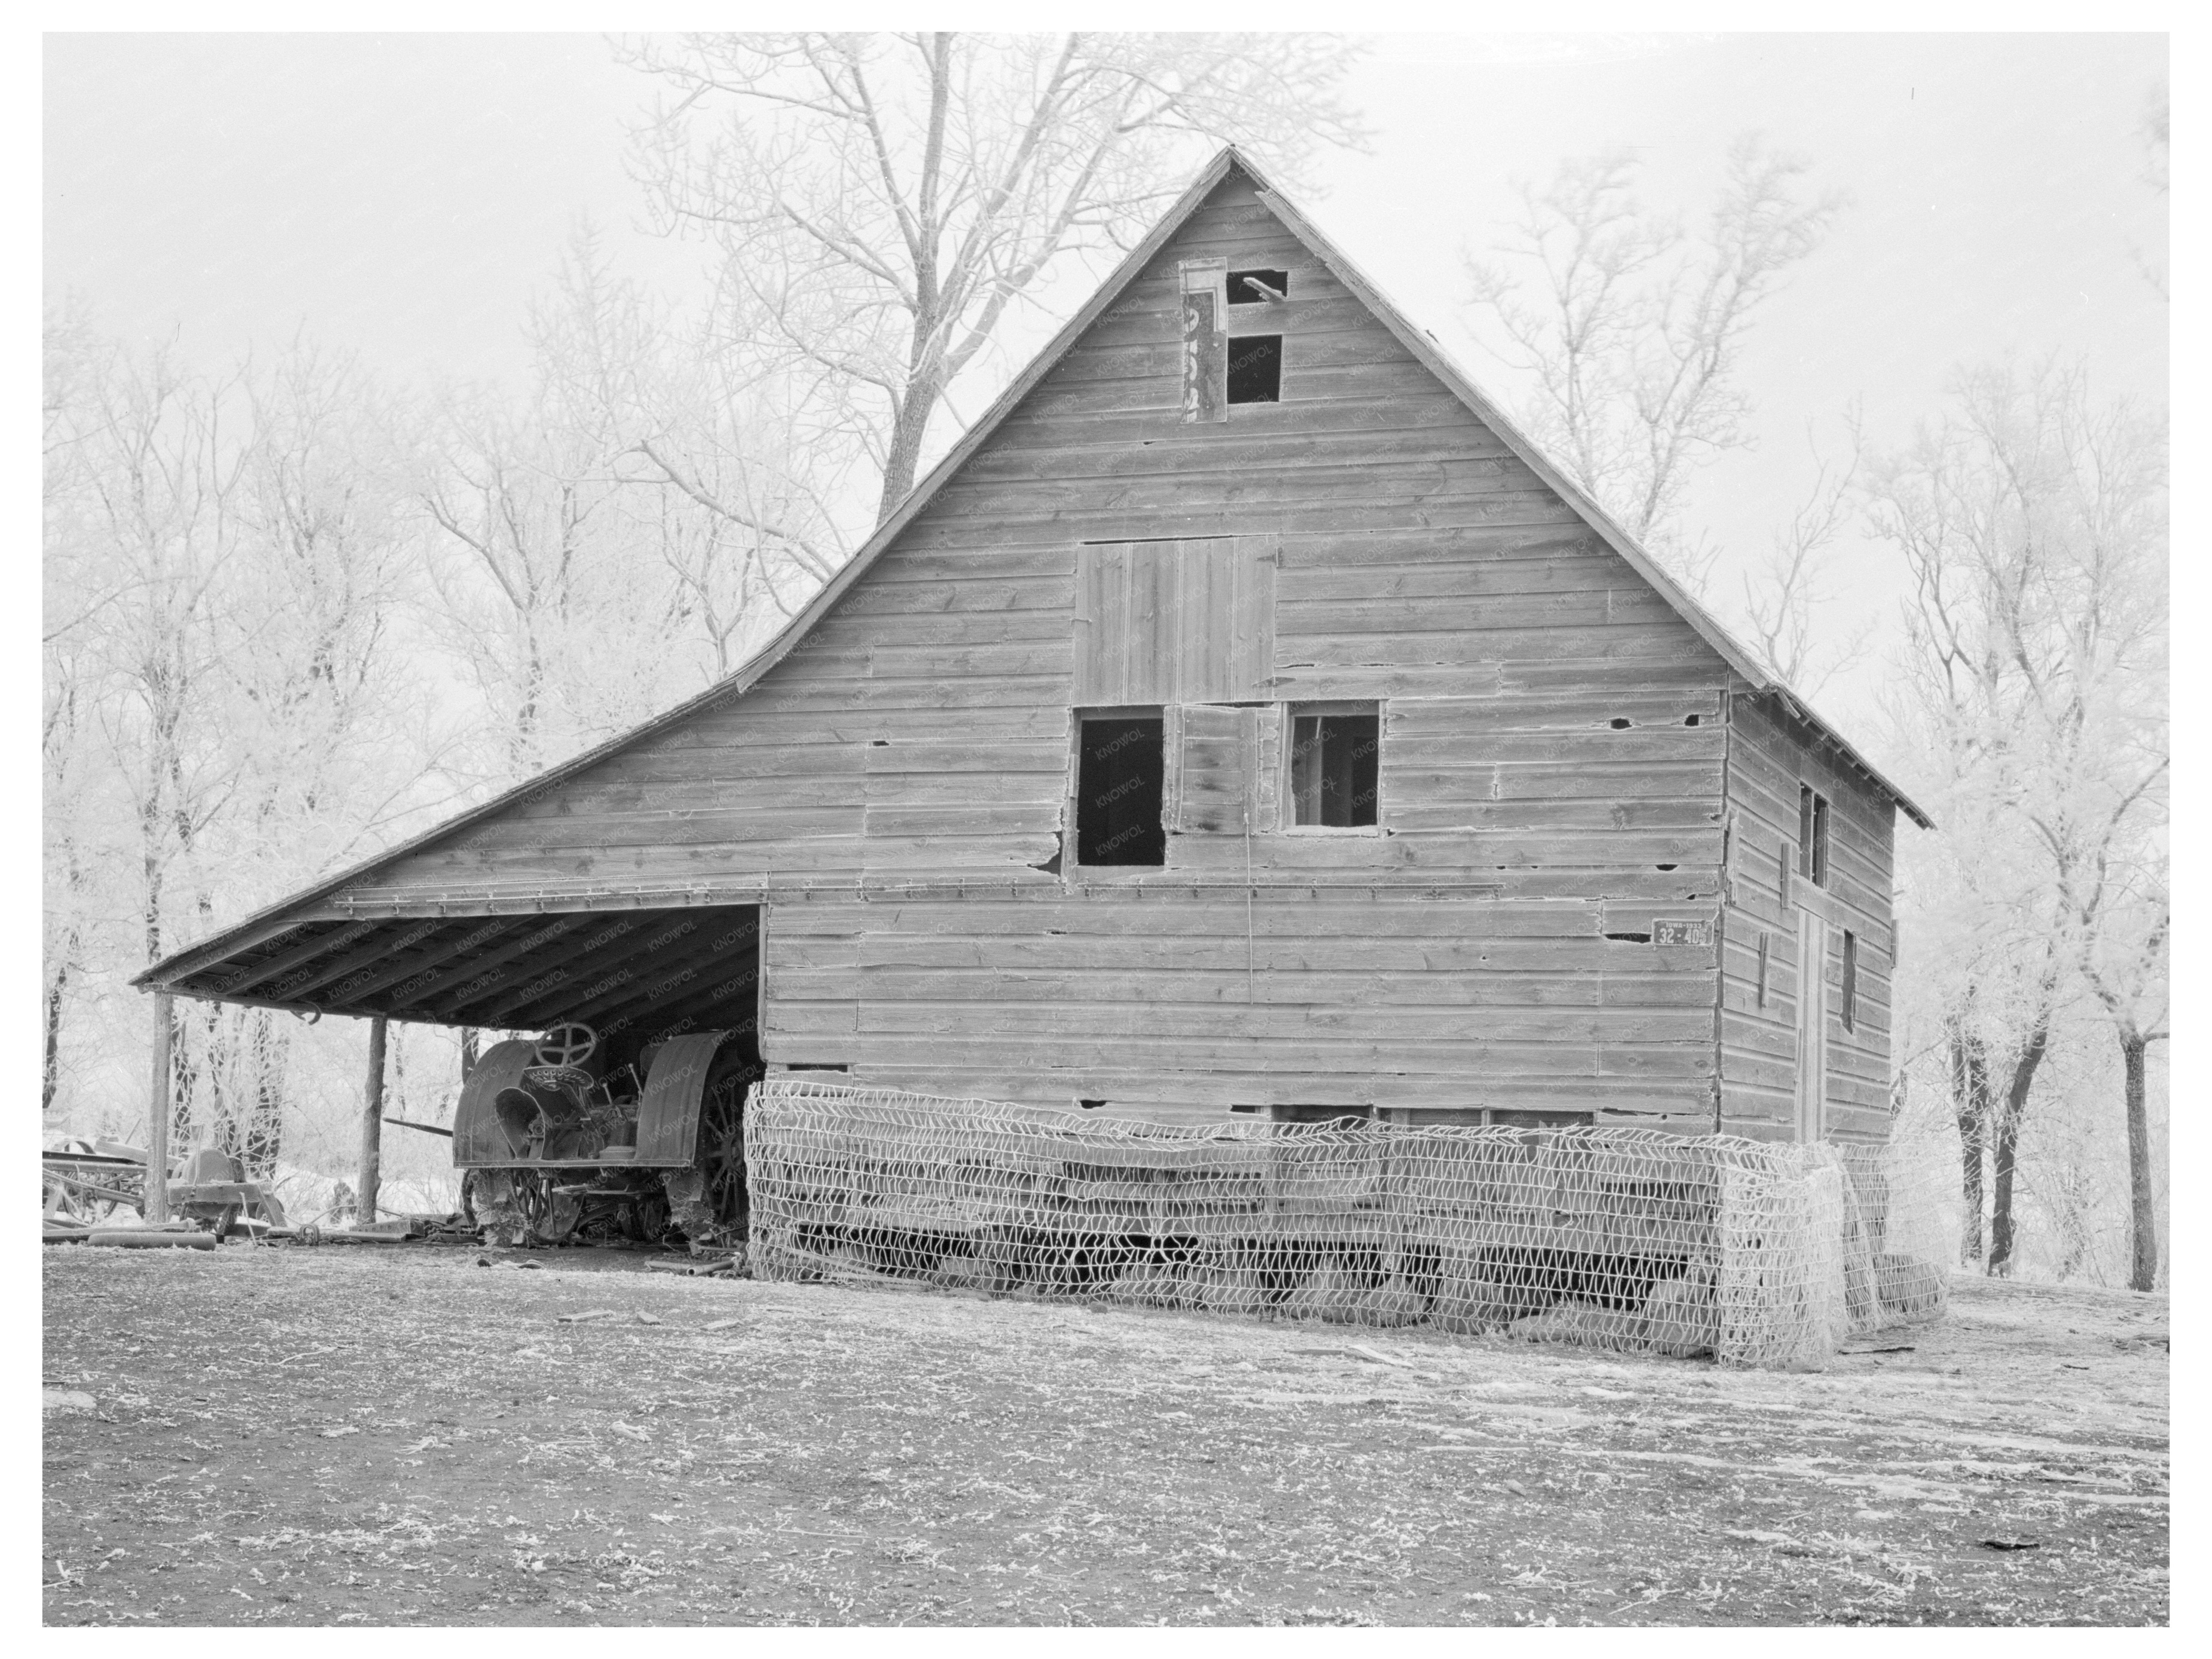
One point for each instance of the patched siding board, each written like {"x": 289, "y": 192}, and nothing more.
{"x": 1175, "y": 620}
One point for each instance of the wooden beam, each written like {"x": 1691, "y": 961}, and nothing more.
{"x": 214, "y": 952}
{"x": 284, "y": 960}
{"x": 381, "y": 946}
{"x": 155, "y": 1208}
{"x": 371, "y": 1122}
{"x": 519, "y": 942}
{"x": 687, "y": 972}
{"x": 496, "y": 1007}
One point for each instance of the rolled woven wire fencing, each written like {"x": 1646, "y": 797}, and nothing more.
{"x": 1757, "y": 1253}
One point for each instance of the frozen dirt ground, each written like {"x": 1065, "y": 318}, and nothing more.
{"x": 396, "y": 1435}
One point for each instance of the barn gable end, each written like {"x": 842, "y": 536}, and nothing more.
{"x": 920, "y": 725}
{"x": 1535, "y": 923}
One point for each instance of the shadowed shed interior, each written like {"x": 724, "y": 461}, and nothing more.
{"x": 645, "y": 971}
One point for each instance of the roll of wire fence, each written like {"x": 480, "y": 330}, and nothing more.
{"x": 1757, "y": 1253}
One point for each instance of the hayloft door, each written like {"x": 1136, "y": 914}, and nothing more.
{"x": 1812, "y": 1024}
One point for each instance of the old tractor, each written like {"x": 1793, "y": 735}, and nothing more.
{"x": 568, "y": 1137}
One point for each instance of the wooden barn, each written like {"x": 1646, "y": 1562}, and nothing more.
{"x": 1244, "y": 717}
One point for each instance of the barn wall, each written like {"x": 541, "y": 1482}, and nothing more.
{"x": 1552, "y": 770}
{"x": 1770, "y": 756}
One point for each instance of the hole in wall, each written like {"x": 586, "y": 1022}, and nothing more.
{"x": 1691, "y": 720}
{"x": 1620, "y": 725}
{"x": 1255, "y": 368}
{"x": 1630, "y": 938}
{"x": 1252, "y": 288}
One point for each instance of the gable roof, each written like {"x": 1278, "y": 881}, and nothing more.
{"x": 275, "y": 918}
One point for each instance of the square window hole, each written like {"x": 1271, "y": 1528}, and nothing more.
{"x": 1253, "y": 288}
{"x": 1119, "y": 776}
{"x": 1255, "y": 368}
{"x": 1336, "y": 769}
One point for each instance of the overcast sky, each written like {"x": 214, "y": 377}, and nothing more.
{"x": 405, "y": 194}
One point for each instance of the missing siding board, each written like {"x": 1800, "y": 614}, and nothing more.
{"x": 1255, "y": 368}
{"x": 1253, "y": 288}
{"x": 1813, "y": 836}
{"x": 1850, "y": 997}
{"x": 1320, "y": 1114}
{"x": 1121, "y": 774}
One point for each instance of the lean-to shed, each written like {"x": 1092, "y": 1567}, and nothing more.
{"x": 1243, "y": 717}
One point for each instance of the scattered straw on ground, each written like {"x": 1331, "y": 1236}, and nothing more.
{"x": 396, "y": 1435}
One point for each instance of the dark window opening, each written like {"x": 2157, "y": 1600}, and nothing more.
{"x": 1252, "y": 288}
{"x": 1118, "y": 779}
{"x": 1850, "y": 997}
{"x": 1813, "y": 836}
{"x": 1255, "y": 368}
{"x": 1336, "y": 769}
{"x": 1321, "y": 1113}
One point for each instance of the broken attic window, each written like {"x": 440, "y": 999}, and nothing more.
{"x": 1255, "y": 368}
{"x": 1851, "y": 998}
{"x": 1813, "y": 836}
{"x": 1335, "y": 765}
{"x": 1119, "y": 774}
{"x": 1252, "y": 288}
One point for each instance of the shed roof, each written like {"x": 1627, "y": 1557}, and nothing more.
{"x": 272, "y": 922}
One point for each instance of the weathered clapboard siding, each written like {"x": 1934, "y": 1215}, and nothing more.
{"x": 1560, "y": 761}
{"x": 1204, "y": 1003}
{"x": 1771, "y": 756}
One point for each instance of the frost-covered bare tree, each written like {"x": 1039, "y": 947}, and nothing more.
{"x": 1630, "y": 330}
{"x": 2157, "y": 134}
{"x": 2126, "y": 963}
{"x": 2032, "y": 520}
{"x": 624, "y": 529}
{"x": 1786, "y": 595}
{"x": 883, "y": 200}
{"x": 225, "y": 712}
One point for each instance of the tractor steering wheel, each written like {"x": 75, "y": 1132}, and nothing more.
{"x": 569, "y": 1044}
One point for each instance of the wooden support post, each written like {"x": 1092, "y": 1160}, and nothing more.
{"x": 156, "y": 1207}
{"x": 371, "y": 1122}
